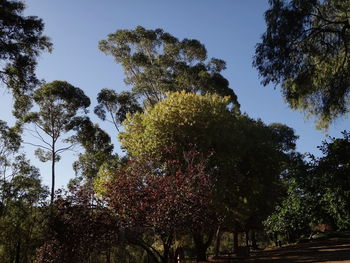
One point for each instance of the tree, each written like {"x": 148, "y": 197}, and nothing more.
{"x": 165, "y": 202}
{"x": 330, "y": 180}
{"x": 248, "y": 159}
{"x": 22, "y": 218}
{"x": 155, "y": 62}
{"x": 58, "y": 105}
{"x": 305, "y": 49}
{"x": 116, "y": 106}
{"x": 318, "y": 191}
{"x": 21, "y": 41}
{"x": 81, "y": 229}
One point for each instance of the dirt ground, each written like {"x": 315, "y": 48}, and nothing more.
{"x": 318, "y": 251}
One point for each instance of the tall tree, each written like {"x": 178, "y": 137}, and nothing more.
{"x": 21, "y": 41}
{"x": 58, "y": 105}
{"x": 306, "y": 49}
{"x": 155, "y": 62}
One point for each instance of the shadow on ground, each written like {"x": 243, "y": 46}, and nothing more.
{"x": 335, "y": 251}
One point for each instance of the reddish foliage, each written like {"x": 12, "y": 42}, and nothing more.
{"x": 173, "y": 198}
{"x": 80, "y": 225}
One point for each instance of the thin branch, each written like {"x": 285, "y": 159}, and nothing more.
{"x": 39, "y": 137}
{"x": 36, "y": 130}
{"x": 38, "y": 145}
{"x": 65, "y": 148}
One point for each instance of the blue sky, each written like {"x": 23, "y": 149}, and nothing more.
{"x": 228, "y": 28}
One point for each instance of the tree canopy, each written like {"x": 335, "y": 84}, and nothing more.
{"x": 21, "y": 41}
{"x": 184, "y": 120}
{"x": 306, "y": 49}
{"x": 248, "y": 155}
{"x": 155, "y": 62}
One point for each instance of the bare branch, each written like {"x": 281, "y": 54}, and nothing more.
{"x": 65, "y": 148}
{"x": 38, "y": 145}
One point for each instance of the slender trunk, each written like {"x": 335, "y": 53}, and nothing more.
{"x": 217, "y": 241}
{"x": 166, "y": 255}
{"x": 235, "y": 242}
{"x": 166, "y": 249}
{"x": 18, "y": 251}
{"x": 108, "y": 256}
{"x": 53, "y": 173}
{"x": 247, "y": 238}
{"x": 254, "y": 244}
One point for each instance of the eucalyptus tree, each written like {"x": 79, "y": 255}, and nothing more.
{"x": 155, "y": 62}
{"x": 58, "y": 104}
{"x": 306, "y": 49}
{"x": 22, "y": 40}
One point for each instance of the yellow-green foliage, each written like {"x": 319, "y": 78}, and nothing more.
{"x": 182, "y": 119}
{"x": 104, "y": 176}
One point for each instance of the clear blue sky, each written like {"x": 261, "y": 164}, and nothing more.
{"x": 228, "y": 28}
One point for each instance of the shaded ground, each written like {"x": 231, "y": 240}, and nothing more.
{"x": 330, "y": 251}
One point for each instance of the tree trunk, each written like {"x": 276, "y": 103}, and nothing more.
{"x": 254, "y": 244}
{"x": 235, "y": 242}
{"x": 247, "y": 238}
{"x": 18, "y": 251}
{"x": 217, "y": 242}
{"x": 166, "y": 254}
{"x": 201, "y": 246}
{"x": 108, "y": 256}
{"x": 53, "y": 175}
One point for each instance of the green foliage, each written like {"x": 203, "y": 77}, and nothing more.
{"x": 331, "y": 179}
{"x": 10, "y": 142}
{"x": 318, "y": 192}
{"x": 184, "y": 119}
{"x": 22, "y": 220}
{"x": 293, "y": 217}
{"x": 98, "y": 149}
{"x": 21, "y": 42}
{"x": 305, "y": 49}
{"x": 116, "y": 106}
{"x": 155, "y": 62}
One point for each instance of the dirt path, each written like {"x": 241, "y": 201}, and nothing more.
{"x": 320, "y": 251}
